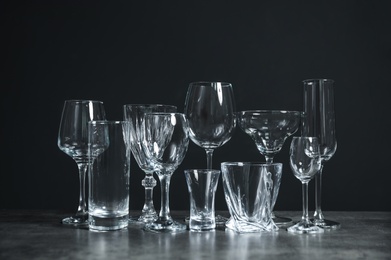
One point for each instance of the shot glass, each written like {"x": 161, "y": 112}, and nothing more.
{"x": 202, "y": 184}
{"x": 109, "y": 172}
{"x": 248, "y": 189}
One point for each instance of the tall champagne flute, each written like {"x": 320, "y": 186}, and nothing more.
{"x": 305, "y": 162}
{"x": 319, "y": 121}
{"x": 165, "y": 143}
{"x": 135, "y": 113}
{"x": 73, "y": 140}
{"x": 210, "y": 110}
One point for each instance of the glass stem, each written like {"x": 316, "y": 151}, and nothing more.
{"x": 209, "y": 155}
{"x": 149, "y": 183}
{"x": 82, "y": 209}
{"x": 318, "y": 215}
{"x": 269, "y": 159}
{"x": 165, "y": 179}
{"x": 305, "y": 217}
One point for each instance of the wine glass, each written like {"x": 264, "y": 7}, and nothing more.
{"x": 319, "y": 121}
{"x": 135, "y": 113}
{"x": 269, "y": 129}
{"x": 210, "y": 110}
{"x": 165, "y": 143}
{"x": 73, "y": 140}
{"x": 305, "y": 162}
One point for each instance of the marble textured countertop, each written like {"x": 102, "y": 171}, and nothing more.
{"x": 40, "y": 235}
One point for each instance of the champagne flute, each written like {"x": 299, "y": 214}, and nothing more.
{"x": 305, "y": 162}
{"x": 135, "y": 113}
{"x": 165, "y": 143}
{"x": 73, "y": 140}
{"x": 319, "y": 121}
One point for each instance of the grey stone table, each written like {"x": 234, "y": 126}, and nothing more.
{"x": 40, "y": 235}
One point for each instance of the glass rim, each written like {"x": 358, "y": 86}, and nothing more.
{"x": 252, "y": 163}
{"x": 83, "y": 101}
{"x": 108, "y": 122}
{"x": 149, "y": 105}
{"x": 324, "y": 80}
{"x": 272, "y": 111}
{"x": 200, "y": 170}
{"x": 223, "y": 83}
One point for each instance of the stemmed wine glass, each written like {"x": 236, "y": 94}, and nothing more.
{"x": 165, "y": 143}
{"x": 135, "y": 113}
{"x": 319, "y": 121}
{"x": 305, "y": 162}
{"x": 210, "y": 110}
{"x": 73, "y": 140}
{"x": 269, "y": 129}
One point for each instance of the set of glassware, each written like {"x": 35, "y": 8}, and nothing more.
{"x": 158, "y": 136}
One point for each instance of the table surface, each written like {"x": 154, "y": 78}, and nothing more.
{"x": 40, "y": 235}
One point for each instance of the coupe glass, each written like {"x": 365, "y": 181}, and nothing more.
{"x": 269, "y": 129}
{"x": 135, "y": 113}
{"x": 73, "y": 140}
{"x": 165, "y": 143}
{"x": 319, "y": 121}
{"x": 305, "y": 162}
{"x": 210, "y": 110}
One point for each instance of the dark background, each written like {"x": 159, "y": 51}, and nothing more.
{"x": 148, "y": 52}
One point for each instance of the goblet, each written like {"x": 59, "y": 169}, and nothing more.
{"x": 319, "y": 121}
{"x": 269, "y": 129}
{"x": 305, "y": 162}
{"x": 210, "y": 110}
{"x": 135, "y": 113}
{"x": 73, "y": 140}
{"x": 165, "y": 143}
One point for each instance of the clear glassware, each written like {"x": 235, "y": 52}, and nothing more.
{"x": 73, "y": 140}
{"x": 305, "y": 162}
{"x": 210, "y": 110}
{"x": 135, "y": 113}
{"x": 166, "y": 140}
{"x": 269, "y": 129}
{"x": 319, "y": 121}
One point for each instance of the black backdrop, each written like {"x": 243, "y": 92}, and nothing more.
{"x": 148, "y": 52}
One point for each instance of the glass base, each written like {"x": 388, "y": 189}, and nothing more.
{"x": 326, "y": 224}
{"x": 76, "y": 221}
{"x": 169, "y": 226}
{"x": 305, "y": 228}
{"x": 282, "y": 221}
{"x": 219, "y": 220}
{"x": 97, "y": 223}
{"x": 146, "y": 218}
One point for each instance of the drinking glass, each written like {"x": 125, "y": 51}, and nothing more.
{"x": 305, "y": 162}
{"x": 269, "y": 129}
{"x": 165, "y": 143}
{"x": 319, "y": 121}
{"x": 73, "y": 140}
{"x": 135, "y": 113}
{"x": 210, "y": 110}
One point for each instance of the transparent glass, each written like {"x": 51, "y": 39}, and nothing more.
{"x": 165, "y": 143}
{"x": 109, "y": 168}
{"x": 305, "y": 162}
{"x": 269, "y": 129}
{"x": 202, "y": 185}
{"x": 210, "y": 109}
{"x": 135, "y": 113}
{"x": 319, "y": 121}
{"x": 248, "y": 194}
{"x": 73, "y": 140}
